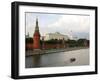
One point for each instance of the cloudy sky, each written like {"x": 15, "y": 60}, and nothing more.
{"x": 67, "y": 24}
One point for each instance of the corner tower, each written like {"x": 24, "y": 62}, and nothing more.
{"x": 36, "y": 36}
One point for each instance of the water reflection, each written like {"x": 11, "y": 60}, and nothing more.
{"x": 36, "y": 60}
{"x": 70, "y": 58}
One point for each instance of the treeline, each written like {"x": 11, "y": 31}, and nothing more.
{"x": 69, "y": 43}
{"x": 77, "y": 43}
{"x": 29, "y": 40}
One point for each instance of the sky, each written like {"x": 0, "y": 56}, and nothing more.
{"x": 68, "y": 24}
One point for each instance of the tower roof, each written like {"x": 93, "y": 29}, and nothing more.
{"x": 37, "y": 28}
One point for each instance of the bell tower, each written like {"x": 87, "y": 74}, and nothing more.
{"x": 36, "y": 36}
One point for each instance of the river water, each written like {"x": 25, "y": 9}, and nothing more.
{"x": 81, "y": 57}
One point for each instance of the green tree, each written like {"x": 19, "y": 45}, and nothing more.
{"x": 29, "y": 40}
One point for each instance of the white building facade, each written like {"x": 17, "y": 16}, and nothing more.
{"x": 56, "y": 35}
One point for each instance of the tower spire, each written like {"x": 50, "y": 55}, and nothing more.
{"x": 36, "y": 27}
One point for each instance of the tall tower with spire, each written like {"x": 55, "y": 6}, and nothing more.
{"x": 36, "y": 36}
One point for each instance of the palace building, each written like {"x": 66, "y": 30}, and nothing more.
{"x": 56, "y": 35}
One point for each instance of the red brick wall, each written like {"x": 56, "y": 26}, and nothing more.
{"x": 29, "y": 46}
{"x": 45, "y": 46}
{"x": 50, "y": 46}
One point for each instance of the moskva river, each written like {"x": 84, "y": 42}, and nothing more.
{"x": 69, "y": 58}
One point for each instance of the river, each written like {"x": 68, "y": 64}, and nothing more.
{"x": 81, "y": 57}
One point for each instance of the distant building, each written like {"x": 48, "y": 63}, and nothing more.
{"x": 27, "y": 36}
{"x": 74, "y": 38}
{"x": 56, "y": 35}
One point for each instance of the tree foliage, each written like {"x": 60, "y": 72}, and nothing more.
{"x": 70, "y": 43}
{"x": 29, "y": 40}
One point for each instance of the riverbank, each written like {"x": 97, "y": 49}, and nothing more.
{"x": 39, "y": 52}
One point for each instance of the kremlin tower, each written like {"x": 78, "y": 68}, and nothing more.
{"x": 36, "y": 37}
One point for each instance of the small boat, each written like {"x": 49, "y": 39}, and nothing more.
{"x": 72, "y": 59}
